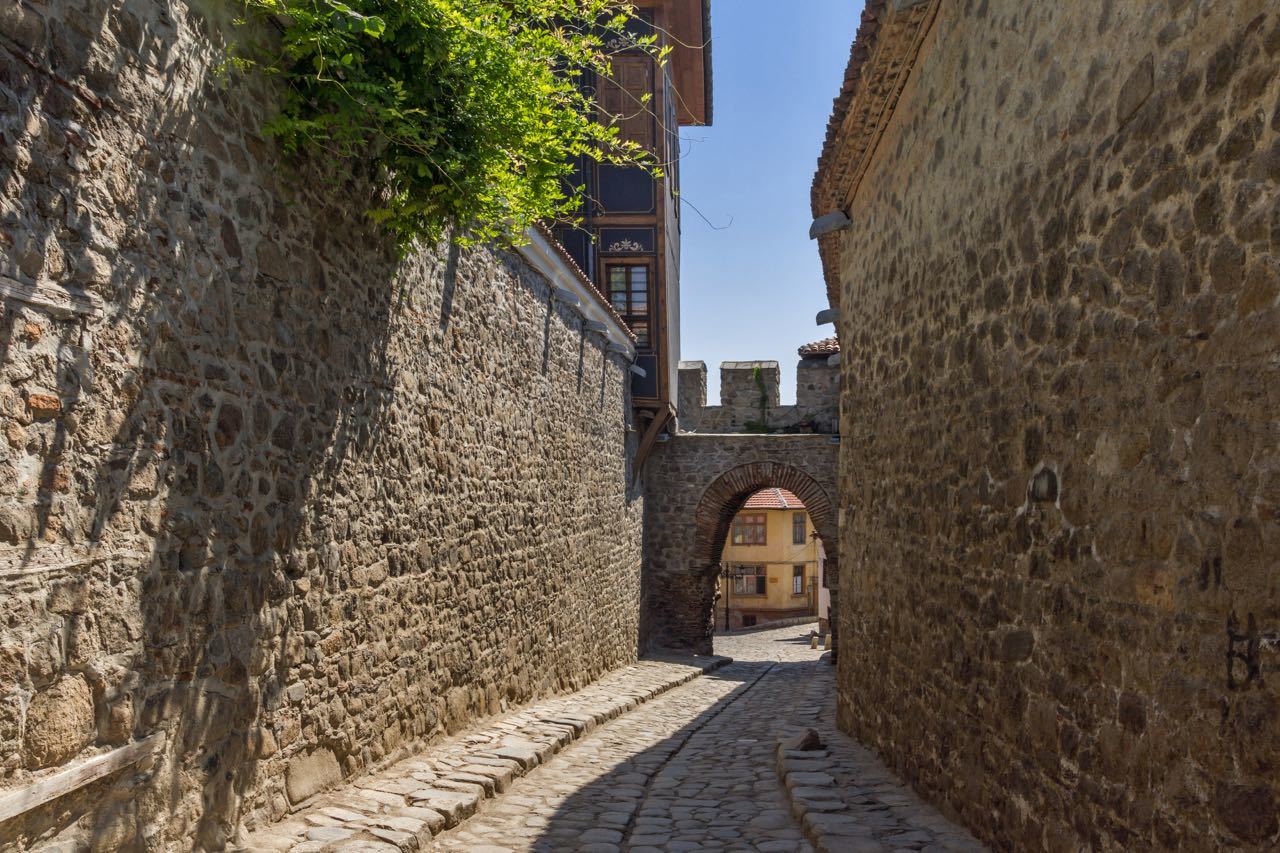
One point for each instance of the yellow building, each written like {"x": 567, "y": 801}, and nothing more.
{"x": 772, "y": 563}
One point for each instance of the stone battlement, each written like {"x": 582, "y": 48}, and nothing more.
{"x": 750, "y": 398}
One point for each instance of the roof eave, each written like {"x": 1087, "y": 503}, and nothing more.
{"x": 706, "y": 62}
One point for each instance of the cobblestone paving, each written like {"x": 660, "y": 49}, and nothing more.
{"x": 698, "y": 769}
{"x": 402, "y": 806}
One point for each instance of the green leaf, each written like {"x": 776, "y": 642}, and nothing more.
{"x": 453, "y": 109}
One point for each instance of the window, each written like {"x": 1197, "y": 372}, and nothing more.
{"x": 797, "y": 580}
{"x": 623, "y": 100}
{"x": 797, "y": 529}
{"x": 749, "y": 528}
{"x": 749, "y": 621}
{"x": 629, "y": 295}
{"x": 624, "y": 189}
{"x": 750, "y": 580}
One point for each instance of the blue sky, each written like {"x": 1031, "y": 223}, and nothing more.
{"x": 751, "y": 290}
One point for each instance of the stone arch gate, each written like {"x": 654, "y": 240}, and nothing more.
{"x": 694, "y": 485}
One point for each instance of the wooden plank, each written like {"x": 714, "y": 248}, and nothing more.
{"x": 18, "y": 563}
{"x": 60, "y": 302}
{"x": 665, "y": 414}
{"x": 65, "y": 781}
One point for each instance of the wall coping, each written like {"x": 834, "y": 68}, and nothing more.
{"x": 820, "y": 437}
{"x": 544, "y": 255}
{"x": 883, "y": 55}
{"x": 743, "y": 365}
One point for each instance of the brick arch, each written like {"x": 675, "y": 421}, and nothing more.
{"x": 694, "y": 485}
{"x": 724, "y": 497}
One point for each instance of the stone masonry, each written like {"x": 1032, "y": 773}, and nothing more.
{"x": 695, "y": 484}
{"x": 749, "y": 398}
{"x": 275, "y": 505}
{"x": 710, "y": 766}
{"x": 1059, "y": 480}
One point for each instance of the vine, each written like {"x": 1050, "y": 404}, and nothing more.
{"x": 763, "y": 424}
{"x": 462, "y": 113}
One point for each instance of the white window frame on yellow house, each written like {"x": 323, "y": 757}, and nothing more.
{"x": 754, "y": 523}
{"x": 758, "y": 588}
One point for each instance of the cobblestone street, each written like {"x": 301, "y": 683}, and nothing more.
{"x": 698, "y": 769}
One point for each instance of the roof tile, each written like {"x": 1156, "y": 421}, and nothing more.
{"x": 826, "y": 346}
{"x": 773, "y": 499}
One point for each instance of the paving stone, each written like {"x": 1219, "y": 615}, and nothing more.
{"x": 402, "y": 840}
{"x": 499, "y": 777}
{"x": 877, "y": 812}
{"x": 467, "y": 781}
{"x": 454, "y": 805}
{"x": 842, "y": 824}
{"x": 610, "y": 835}
{"x": 805, "y": 765}
{"x": 321, "y": 819}
{"x": 650, "y": 840}
{"x": 403, "y": 787}
{"x": 795, "y": 780}
{"x": 804, "y": 792}
{"x": 329, "y": 834}
{"x": 434, "y": 820}
{"x": 419, "y": 829}
{"x": 697, "y": 767}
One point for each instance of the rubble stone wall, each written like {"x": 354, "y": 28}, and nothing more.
{"x": 695, "y": 485}
{"x": 1061, "y": 488}
{"x": 265, "y": 488}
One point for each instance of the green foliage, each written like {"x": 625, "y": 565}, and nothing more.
{"x": 462, "y": 112}
{"x": 758, "y": 375}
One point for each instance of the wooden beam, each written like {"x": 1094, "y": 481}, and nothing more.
{"x": 65, "y": 781}
{"x": 660, "y": 420}
{"x": 59, "y": 302}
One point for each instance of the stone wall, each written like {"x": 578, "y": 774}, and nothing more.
{"x": 750, "y": 398}
{"x": 264, "y": 488}
{"x": 694, "y": 486}
{"x": 1061, "y": 489}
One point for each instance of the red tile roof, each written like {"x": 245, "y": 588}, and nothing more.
{"x": 826, "y": 346}
{"x": 873, "y": 12}
{"x": 773, "y": 499}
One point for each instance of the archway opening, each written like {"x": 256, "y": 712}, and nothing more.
{"x": 772, "y": 565}
{"x": 694, "y": 621}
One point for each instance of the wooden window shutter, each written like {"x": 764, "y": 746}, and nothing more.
{"x": 623, "y": 99}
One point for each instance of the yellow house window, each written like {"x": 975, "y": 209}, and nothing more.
{"x": 749, "y": 580}
{"x": 797, "y": 528}
{"x": 797, "y": 580}
{"x": 749, "y": 528}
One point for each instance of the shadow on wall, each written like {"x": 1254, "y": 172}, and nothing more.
{"x": 288, "y": 498}
{"x": 190, "y": 436}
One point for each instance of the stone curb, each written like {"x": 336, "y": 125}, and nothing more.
{"x": 402, "y": 807}
{"x": 839, "y": 817}
{"x": 819, "y": 804}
